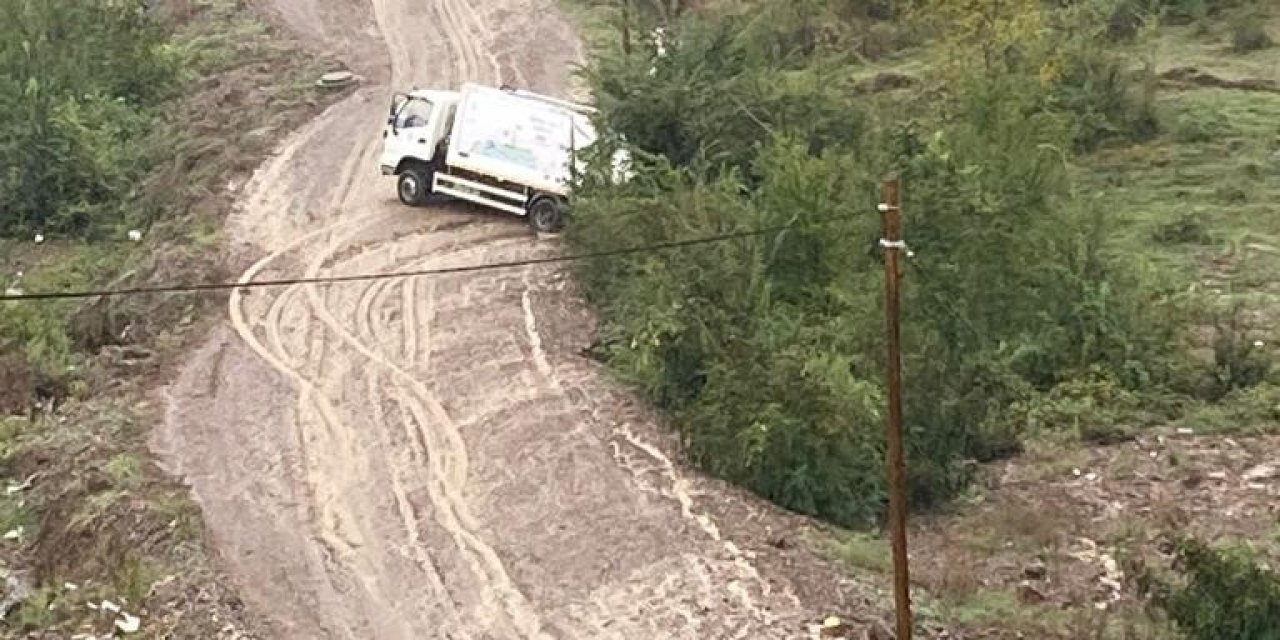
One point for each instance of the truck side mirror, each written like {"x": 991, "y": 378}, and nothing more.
{"x": 398, "y": 101}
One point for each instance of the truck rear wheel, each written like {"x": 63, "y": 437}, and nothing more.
{"x": 546, "y": 215}
{"x": 414, "y": 185}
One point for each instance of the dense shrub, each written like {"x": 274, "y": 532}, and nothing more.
{"x": 767, "y": 351}
{"x": 76, "y": 81}
{"x": 1224, "y": 594}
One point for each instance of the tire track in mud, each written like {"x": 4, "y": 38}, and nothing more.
{"x": 448, "y": 466}
{"x": 314, "y": 406}
{"x": 680, "y": 487}
{"x": 384, "y": 463}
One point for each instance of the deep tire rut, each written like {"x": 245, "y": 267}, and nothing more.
{"x": 432, "y": 459}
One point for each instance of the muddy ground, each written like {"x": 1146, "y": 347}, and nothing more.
{"x": 431, "y": 457}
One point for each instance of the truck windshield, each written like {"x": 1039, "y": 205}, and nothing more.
{"x": 416, "y": 112}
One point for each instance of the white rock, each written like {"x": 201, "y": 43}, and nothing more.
{"x": 1260, "y": 472}
{"x": 128, "y": 623}
{"x": 39, "y": 238}
{"x": 135, "y": 235}
{"x": 13, "y": 534}
{"x": 1186, "y": 431}
{"x": 108, "y": 605}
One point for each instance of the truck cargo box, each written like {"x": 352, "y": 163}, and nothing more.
{"x": 517, "y": 138}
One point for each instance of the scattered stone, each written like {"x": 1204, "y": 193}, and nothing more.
{"x": 16, "y": 590}
{"x": 135, "y": 235}
{"x": 1091, "y": 476}
{"x": 128, "y": 623}
{"x": 39, "y": 238}
{"x": 1186, "y": 431}
{"x": 14, "y": 534}
{"x": 1218, "y": 475}
{"x": 15, "y": 488}
{"x": 336, "y": 79}
{"x": 1261, "y": 472}
{"x": 109, "y": 606}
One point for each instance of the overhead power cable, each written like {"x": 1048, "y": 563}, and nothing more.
{"x": 490, "y": 266}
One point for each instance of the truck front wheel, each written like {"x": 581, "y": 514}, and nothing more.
{"x": 546, "y": 215}
{"x": 414, "y": 185}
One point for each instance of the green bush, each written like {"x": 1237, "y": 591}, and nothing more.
{"x": 1249, "y": 33}
{"x": 1224, "y": 594}
{"x": 768, "y": 351}
{"x": 1239, "y": 361}
{"x": 76, "y": 82}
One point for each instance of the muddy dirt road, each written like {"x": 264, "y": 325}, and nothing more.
{"x": 429, "y": 457}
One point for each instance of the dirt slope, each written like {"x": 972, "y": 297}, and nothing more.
{"x": 430, "y": 458}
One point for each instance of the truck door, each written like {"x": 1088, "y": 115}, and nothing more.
{"x": 412, "y": 132}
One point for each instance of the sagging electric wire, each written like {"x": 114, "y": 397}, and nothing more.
{"x": 255, "y": 284}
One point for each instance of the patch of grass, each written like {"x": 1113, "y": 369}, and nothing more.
{"x": 988, "y": 606}
{"x": 864, "y": 551}
{"x": 125, "y": 470}
{"x": 1208, "y": 47}
{"x": 185, "y": 522}
{"x": 953, "y": 579}
{"x": 36, "y": 612}
{"x": 95, "y": 507}
{"x": 133, "y": 577}
{"x": 15, "y": 513}
{"x": 992, "y": 609}
{"x": 1254, "y": 411}
{"x": 1056, "y": 459}
{"x": 1205, "y": 190}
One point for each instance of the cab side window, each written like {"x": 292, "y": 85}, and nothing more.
{"x": 416, "y": 113}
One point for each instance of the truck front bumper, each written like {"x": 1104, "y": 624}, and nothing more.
{"x": 387, "y": 169}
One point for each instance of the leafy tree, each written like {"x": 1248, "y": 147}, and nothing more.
{"x": 76, "y": 79}
{"x": 767, "y": 351}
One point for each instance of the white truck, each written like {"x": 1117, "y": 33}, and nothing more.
{"x": 511, "y": 150}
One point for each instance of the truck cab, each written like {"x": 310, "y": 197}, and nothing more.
{"x": 415, "y": 139}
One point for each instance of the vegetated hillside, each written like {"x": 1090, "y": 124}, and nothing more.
{"x": 1089, "y": 192}
{"x": 121, "y": 125}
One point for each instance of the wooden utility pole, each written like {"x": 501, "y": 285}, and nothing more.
{"x": 894, "y": 247}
